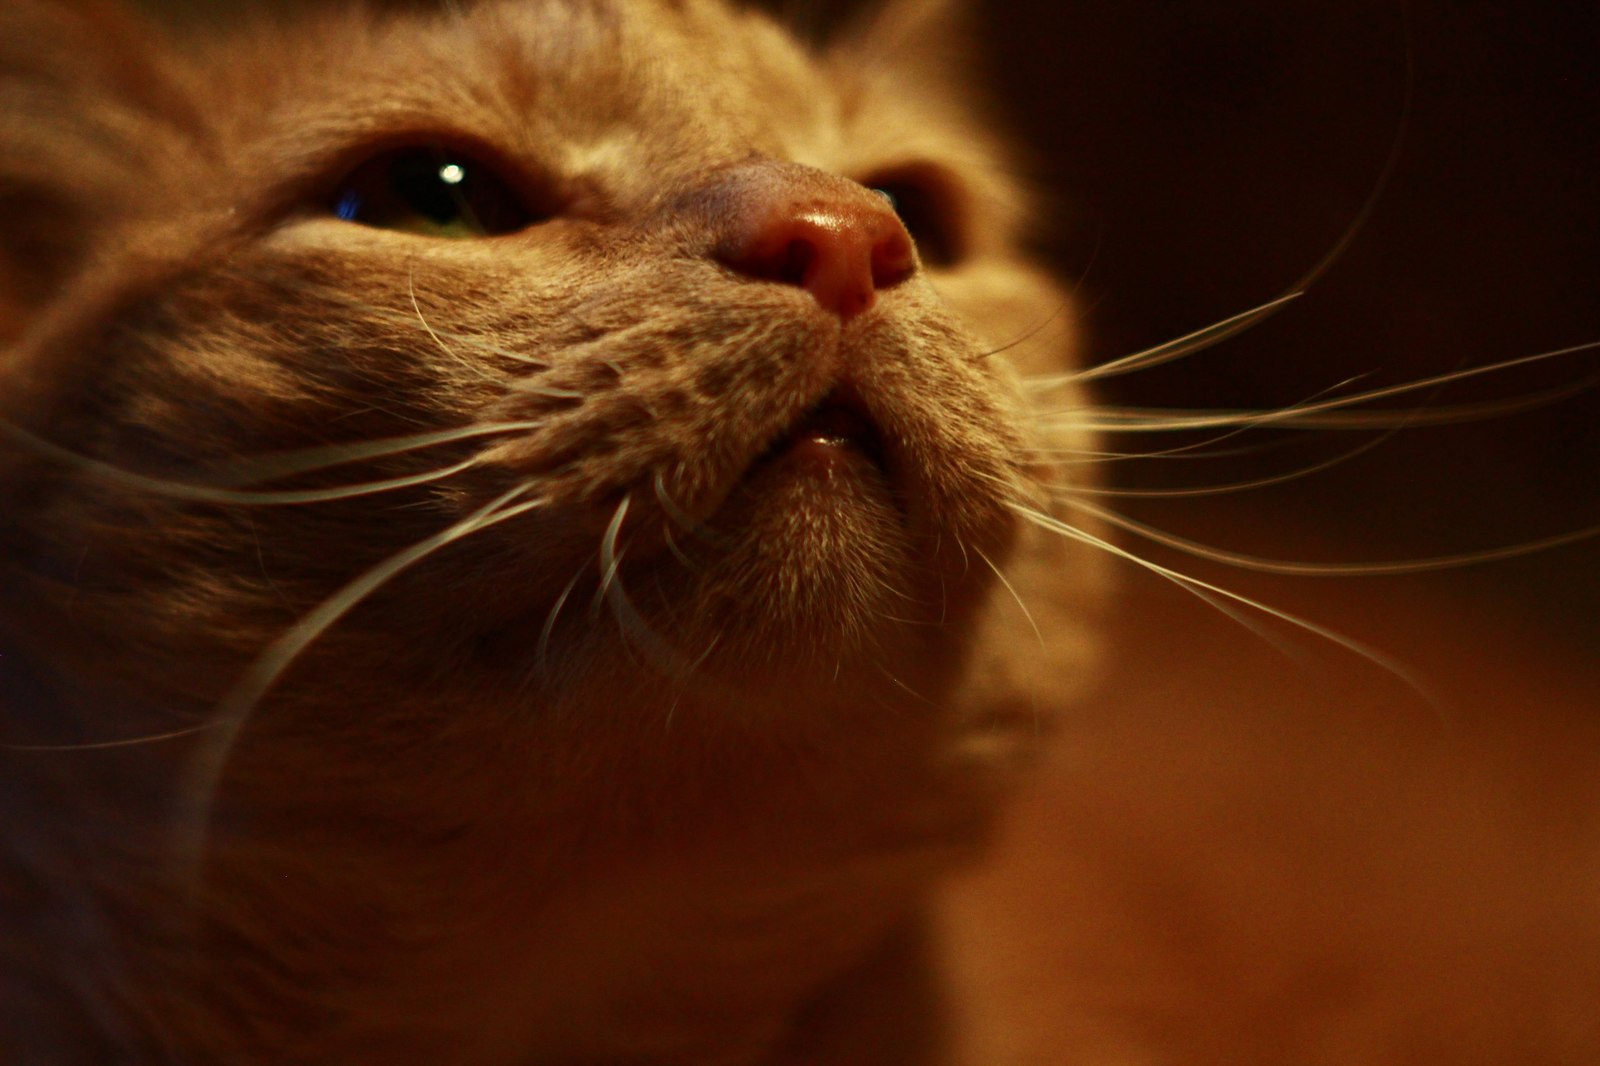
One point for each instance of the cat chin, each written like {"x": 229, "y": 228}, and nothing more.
{"x": 749, "y": 697}
{"x": 814, "y": 559}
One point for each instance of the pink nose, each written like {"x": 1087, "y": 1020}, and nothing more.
{"x": 837, "y": 240}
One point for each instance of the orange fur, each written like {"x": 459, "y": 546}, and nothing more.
{"x": 567, "y": 789}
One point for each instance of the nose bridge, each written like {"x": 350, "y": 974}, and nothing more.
{"x": 796, "y": 225}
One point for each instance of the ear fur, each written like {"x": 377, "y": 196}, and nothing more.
{"x": 910, "y": 34}
{"x": 876, "y": 29}
{"x": 85, "y": 103}
{"x": 929, "y": 49}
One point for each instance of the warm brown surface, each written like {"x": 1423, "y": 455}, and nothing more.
{"x": 1241, "y": 857}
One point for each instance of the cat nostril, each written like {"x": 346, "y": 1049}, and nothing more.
{"x": 844, "y": 250}
{"x": 796, "y": 264}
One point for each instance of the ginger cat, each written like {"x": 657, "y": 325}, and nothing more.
{"x": 508, "y": 517}
{"x": 536, "y": 531}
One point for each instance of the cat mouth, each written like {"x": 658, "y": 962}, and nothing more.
{"x": 837, "y": 431}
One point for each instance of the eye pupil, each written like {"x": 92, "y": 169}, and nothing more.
{"x": 420, "y": 182}
{"x": 433, "y": 192}
{"x": 927, "y": 215}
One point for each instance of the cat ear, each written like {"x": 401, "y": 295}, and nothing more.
{"x": 85, "y": 103}
{"x": 902, "y": 33}
{"x": 933, "y": 38}
{"x": 930, "y": 49}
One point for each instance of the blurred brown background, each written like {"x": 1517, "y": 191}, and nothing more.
{"x": 1241, "y": 856}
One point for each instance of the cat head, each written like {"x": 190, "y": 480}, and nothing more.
{"x": 559, "y": 354}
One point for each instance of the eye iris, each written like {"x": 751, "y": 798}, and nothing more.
{"x": 433, "y": 192}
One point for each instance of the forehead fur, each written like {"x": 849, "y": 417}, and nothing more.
{"x": 536, "y": 77}
{"x": 620, "y": 100}
{"x": 629, "y": 95}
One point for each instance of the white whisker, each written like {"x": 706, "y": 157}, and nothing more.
{"x": 1207, "y": 447}
{"x": 270, "y": 468}
{"x": 1232, "y": 487}
{"x": 682, "y": 519}
{"x": 1023, "y": 607}
{"x": 1386, "y": 172}
{"x": 669, "y": 506}
{"x": 610, "y": 557}
{"x": 204, "y": 775}
{"x": 365, "y": 309}
{"x": 677, "y": 698}
{"x": 1197, "y": 451}
{"x": 276, "y": 465}
{"x": 1330, "y": 413}
{"x": 672, "y": 546}
{"x": 1297, "y": 569}
{"x": 534, "y": 388}
{"x": 112, "y": 745}
{"x": 543, "y": 655}
{"x": 1213, "y": 335}
{"x": 902, "y": 686}
{"x": 1170, "y": 351}
{"x": 1027, "y": 335}
{"x": 1350, "y": 644}
{"x": 629, "y": 621}
{"x": 411, "y": 291}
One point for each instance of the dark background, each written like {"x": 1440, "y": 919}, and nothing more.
{"x": 1205, "y": 156}
{"x": 1210, "y": 154}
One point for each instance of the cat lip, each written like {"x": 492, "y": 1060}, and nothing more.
{"x": 836, "y": 428}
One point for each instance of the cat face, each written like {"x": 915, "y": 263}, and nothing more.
{"x": 538, "y": 350}
{"x": 531, "y": 480}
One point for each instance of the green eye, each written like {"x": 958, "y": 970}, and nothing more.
{"x": 433, "y": 192}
